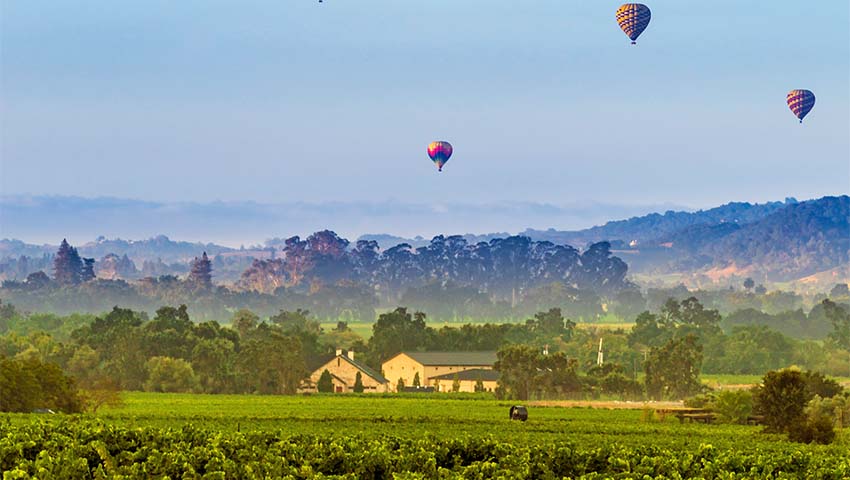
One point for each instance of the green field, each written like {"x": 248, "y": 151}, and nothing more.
{"x": 365, "y": 329}
{"x": 436, "y": 436}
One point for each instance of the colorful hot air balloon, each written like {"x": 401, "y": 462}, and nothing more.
{"x": 440, "y": 152}
{"x": 633, "y": 19}
{"x": 800, "y": 102}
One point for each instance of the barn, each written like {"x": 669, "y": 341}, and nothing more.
{"x": 431, "y": 366}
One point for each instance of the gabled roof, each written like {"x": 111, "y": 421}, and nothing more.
{"x": 314, "y": 363}
{"x": 365, "y": 369}
{"x": 320, "y": 362}
{"x": 487, "y": 358}
{"x": 473, "y": 374}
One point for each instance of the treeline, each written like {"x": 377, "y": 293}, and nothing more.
{"x": 546, "y": 354}
{"x": 502, "y": 278}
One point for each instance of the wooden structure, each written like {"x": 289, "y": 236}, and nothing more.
{"x": 702, "y": 415}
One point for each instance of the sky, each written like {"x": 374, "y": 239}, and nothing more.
{"x": 545, "y": 102}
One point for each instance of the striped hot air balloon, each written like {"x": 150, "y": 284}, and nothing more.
{"x": 800, "y": 102}
{"x": 633, "y": 19}
{"x": 440, "y": 152}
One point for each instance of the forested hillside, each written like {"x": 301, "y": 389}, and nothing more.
{"x": 774, "y": 242}
{"x": 771, "y": 242}
{"x": 653, "y": 226}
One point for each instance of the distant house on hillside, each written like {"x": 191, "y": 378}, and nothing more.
{"x": 343, "y": 369}
{"x": 433, "y": 366}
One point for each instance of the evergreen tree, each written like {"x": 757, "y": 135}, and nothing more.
{"x": 416, "y": 381}
{"x": 479, "y": 386}
{"x": 399, "y": 387}
{"x": 456, "y": 384}
{"x": 201, "y": 273}
{"x": 88, "y": 270}
{"x": 67, "y": 265}
{"x": 358, "y": 383}
{"x": 325, "y": 384}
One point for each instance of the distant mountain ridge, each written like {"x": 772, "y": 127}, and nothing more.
{"x": 158, "y": 247}
{"x": 655, "y": 225}
{"x": 774, "y": 241}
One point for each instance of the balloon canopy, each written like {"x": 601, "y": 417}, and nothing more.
{"x": 440, "y": 152}
{"x": 800, "y": 102}
{"x": 633, "y": 19}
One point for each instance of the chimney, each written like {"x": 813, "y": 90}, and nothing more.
{"x": 351, "y": 355}
{"x": 338, "y": 352}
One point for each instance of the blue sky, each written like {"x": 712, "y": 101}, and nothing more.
{"x": 546, "y": 101}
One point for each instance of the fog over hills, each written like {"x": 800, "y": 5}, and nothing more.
{"x": 47, "y": 219}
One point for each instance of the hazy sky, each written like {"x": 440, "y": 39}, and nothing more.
{"x": 544, "y": 101}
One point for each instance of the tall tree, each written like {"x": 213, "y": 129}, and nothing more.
{"x": 244, "y": 321}
{"x": 271, "y": 362}
{"x": 87, "y": 272}
{"x": 672, "y": 370}
{"x": 397, "y": 331}
{"x": 517, "y": 367}
{"x": 67, "y": 265}
{"x": 201, "y": 273}
{"x": 840, "y": 319}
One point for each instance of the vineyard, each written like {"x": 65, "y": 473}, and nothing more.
{"x": 197, "y": 436}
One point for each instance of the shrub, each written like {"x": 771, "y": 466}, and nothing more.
{"x": 733, "y": 406}
{"x": 325, "y": 383}
{"x": 619, "y": 384}
{"x": 26, "y": 385}
{"x": 781, "y": 399}
{"x": 837, "y": 408}
{"x": 703, "y": 400}
{"x": 818, "y": 384}
{"x": 812, "y": 430}
{"x": 358, "y": 383}
{"x": 173, "y": 375}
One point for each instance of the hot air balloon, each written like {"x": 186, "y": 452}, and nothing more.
{"x": 633, "y": 19}
{"x": 440, "y": 152}
{"x": 800, "y": 102}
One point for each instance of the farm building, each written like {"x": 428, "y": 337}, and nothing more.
{"x": 343, "y": 369}
{"x": 466, "y": 379}
{"x": 430, "y": 365}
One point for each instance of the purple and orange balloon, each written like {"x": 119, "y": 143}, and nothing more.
{"x": 440, "y": 152}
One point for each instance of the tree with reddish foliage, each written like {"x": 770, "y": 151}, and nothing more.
{"x": 297, "y": 259}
